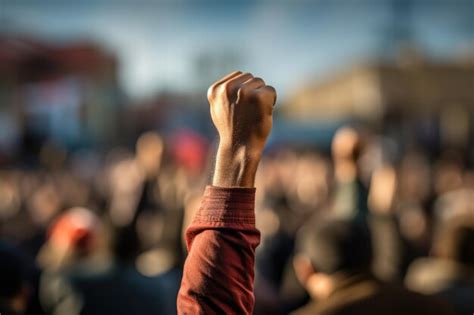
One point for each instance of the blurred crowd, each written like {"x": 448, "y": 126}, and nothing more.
{"x": 91, "y": 233}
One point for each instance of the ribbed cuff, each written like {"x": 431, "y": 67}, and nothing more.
{"x": 227, "y": 206}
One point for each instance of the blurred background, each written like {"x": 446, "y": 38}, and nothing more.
{"x": 106, "y": 142}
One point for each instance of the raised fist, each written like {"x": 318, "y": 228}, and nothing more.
{"x": 241, "y": 109}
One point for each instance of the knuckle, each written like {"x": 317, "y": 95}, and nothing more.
{"x": 241, "y": 93}
{"x": 266, "y": 95}
{"x": 272, "y": 92}
{"x": 226, "y": 89}
{"x": 210, "y": 92}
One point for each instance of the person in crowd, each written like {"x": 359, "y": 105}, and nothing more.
{"x": 333, "y": 262}
{"x": 350, "y": 191}
{"x": 450, "y": 272}
{"x": 80, "y": 280}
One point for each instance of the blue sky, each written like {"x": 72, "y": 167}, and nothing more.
{"x": 286, "y": 42}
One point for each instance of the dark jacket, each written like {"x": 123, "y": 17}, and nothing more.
{"x": 364, "y": 295}
{"x": 449, "y": 279}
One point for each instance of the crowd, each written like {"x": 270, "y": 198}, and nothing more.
{"x": 89, "y": 233}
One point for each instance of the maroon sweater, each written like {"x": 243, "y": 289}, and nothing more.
{"x": 219, "y": 270}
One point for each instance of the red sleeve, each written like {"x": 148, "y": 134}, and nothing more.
{"x": 219, "y": 270}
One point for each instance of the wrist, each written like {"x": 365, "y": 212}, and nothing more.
{"x": 236, "y": 166}
{"x": 251, "y": 152}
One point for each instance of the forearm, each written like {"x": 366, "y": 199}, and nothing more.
{"x": 236, "y": 166}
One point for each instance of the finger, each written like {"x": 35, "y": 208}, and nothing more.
{"x": 233, "y": 85}
{"x": 226, "y": 78}
{"x": 216, "y": 84}
{"x": 270, "y": 90}
{"x": 236, "y": 81}
{"x": 254, "y": 83}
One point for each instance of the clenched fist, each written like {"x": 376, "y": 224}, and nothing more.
{"x": 241, "y": 109}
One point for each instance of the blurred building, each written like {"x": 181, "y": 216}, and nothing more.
{"x": 168, "y": 112}
{"x": 430, "y": 102}
{"x": 67, "y": 93}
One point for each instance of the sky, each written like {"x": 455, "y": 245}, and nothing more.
{"x": 287, "y": 43}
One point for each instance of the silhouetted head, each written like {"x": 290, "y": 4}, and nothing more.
{"x": 73, "y": 235}
{"x": 149, "y": 151}
{"x": 331, "y": 247}
{"x": 347, "y": 144}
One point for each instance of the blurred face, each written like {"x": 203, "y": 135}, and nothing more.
{"x": 382, "y": 190}
{"x": 149, "y": 152}
{"x": 44, "y": 204}
{"x": 9, "y": 200}
{"x": 318, "y": 285}
{"x": 77, "y": 233}
{"x": 345, "y": 143}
